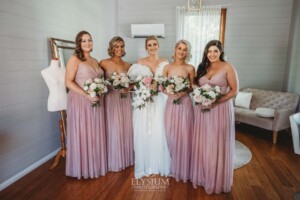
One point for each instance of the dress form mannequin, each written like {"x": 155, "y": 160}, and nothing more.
{"x": 54, "y": 77}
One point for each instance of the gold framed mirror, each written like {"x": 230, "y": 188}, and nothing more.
{"x": 62, "y": 50}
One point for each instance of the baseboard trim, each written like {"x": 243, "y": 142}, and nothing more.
{"x": 35, "y": 165}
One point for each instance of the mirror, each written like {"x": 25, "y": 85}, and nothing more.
{"x": 62, "y": 50}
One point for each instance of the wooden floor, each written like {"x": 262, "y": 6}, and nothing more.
{"x": 273, "y": 173}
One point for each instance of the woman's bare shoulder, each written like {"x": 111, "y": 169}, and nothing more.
{"x": 127, "y": 64}
{"x": 142, "y": 60}
{"x": 73, "y": 60}
{"x": 163, "y": 60}
{"x": 228, "y": 66}
{"x": 104, "y": 62}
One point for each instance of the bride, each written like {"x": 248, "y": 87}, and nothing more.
{"x": 150, "y": 145}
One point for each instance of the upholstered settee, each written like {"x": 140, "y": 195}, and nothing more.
{"x": 283, "y": 103}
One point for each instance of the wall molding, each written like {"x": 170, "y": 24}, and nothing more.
{"x": 30, "y": 168}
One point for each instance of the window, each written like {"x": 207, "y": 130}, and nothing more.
{"x": 199, "y": 27}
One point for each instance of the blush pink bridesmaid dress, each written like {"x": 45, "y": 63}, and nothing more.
{"x": 86, "y": 139}
{"x": 213, "y": 142}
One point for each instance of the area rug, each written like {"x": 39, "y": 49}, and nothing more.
{"x": 242, "y": 155}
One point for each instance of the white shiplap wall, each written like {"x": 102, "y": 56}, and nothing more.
{"x": 256, "y": 41}
{"x": 141, "y": 11}
{"x": 28, "y": 132}
{"x": 256, "y": 37}
{"x": 294, "y": 55}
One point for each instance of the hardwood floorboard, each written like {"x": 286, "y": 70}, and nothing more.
{"x": 273, "y": 173}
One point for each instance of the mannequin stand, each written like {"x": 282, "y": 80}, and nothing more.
{"x": 62, "y": 129}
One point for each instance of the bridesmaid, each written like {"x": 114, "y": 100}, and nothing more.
{"x": 86, "y": 141}
{"x": 118, "y": 111}
{"x": 214, "y": 131}
{"x": 179, "y": 118}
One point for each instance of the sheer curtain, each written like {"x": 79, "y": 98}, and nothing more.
{"x": 198, "y": 27}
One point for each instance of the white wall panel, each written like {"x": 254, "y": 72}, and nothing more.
{"x": 256, "y": 35}
{"x": 28, "y": 132}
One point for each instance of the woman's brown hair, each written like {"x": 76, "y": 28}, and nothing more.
{"x": 205, "y": 63}
{"x": 78, "y": 50}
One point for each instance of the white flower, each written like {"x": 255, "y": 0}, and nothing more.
{"x": 179, "y": 87}
{"x": 125, "y": 85}
{"x": 218, "y": 89}
{"x": 196, "y": 91}
{"x": 86, "y": 88}
{"x": 97, "y": 80}
{"x": 198, "y": 98}
{"x": 138, "y": 78}
{"x": 93, "y": 94}
{"x": 105, "y": 90}
{"x": 93, "y": 86}
{"x": 124, "y": 79}
{"x": 170, "y": 89}
{"x": 89, "y": 81}
{"x": 206, "y": 87}
{"x": 116, "y": 82}
{"x": 212, "y": 94}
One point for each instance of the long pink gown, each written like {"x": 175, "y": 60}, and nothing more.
{"x": 213, "y": 142}
{"x": 86, "y": 140}
{"x": 179, "y": 125}
{"x": 119, "y": 131}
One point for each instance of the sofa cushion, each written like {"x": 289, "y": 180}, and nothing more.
{"x": 243, "y": 99}
{"x": 265, "y": 112}
{"x": 248, "y": 116}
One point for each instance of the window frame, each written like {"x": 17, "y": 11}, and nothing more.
{"x": 222, "y": 25}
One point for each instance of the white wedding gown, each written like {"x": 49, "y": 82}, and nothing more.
{"x": 150, "y": 144}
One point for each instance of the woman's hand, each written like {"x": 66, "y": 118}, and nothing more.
{"x": 165, "y": 91}
{"x": 209, "y": 107}
{"x": 179, "y": 95}
{"x": 94, "y": 100}
{"x": 124, "y": 90}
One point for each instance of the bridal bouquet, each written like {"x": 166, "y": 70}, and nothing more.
{"x": 145, "y": 88}
{"x": 119, "y": 81}
{"x": 176, "y": 84}
{"x": 95, "y": 88}
{"x": 206, "y": 95}
{"x": 160, "y": 81}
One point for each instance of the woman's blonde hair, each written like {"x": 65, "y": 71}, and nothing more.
{"x": 152, "y": 37}
{"x": 189, "y": 47}
{"x": 112, "y": 44}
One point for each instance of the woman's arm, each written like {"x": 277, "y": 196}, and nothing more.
{"x": 191, "y": 77}
{"x": 233, "y": 83}
{"x": 103, "y": 64}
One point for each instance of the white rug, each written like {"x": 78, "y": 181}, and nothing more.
{"x": 242, "y": 155}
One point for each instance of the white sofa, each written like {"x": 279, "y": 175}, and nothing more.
{"x": 295, "y": 128}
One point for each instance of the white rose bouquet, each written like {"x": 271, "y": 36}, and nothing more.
{"x": 119, "y": 81}
{"x": 176, "y": 84}
{"x": 206, "y": 95}
{"x": 144, "y": 89}
{"x": 95, "y": 88}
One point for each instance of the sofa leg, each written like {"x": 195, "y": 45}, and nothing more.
{"x": 275, "y": 133}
